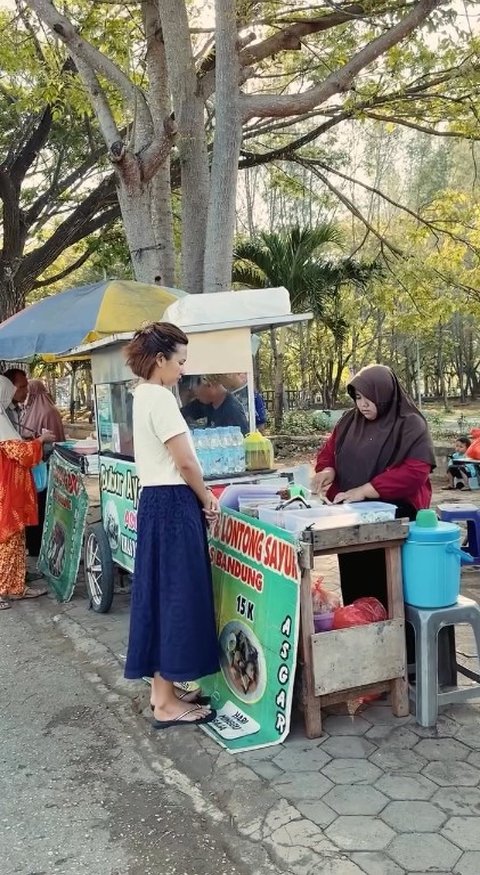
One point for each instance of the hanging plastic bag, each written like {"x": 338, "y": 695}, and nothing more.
{"x": 40, "y": 476}
{"x": 324, "y": 604}
{"x": 359, "y": 613}
{"x": 323, "y": 600}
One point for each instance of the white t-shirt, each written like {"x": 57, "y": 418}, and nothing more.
{"x": 156, "y": 419}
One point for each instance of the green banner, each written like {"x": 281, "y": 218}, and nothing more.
{"x": 119, "y": 495}
{"x": 256, "y": 579}
{"x": 66, "y": 511}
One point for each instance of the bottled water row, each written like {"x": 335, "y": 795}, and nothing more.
{"x": 220, "y": 450}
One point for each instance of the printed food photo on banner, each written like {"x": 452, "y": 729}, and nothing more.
{"x": 242, "y": 661}
{"x": 256, "y": 578}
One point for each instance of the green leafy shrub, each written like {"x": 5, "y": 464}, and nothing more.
{"x": 304, "y": 422}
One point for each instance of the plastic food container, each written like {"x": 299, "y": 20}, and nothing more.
{"x": 268, "y": 489}
{"x": 328, "y": 517}
{"x": 249, "y": 505}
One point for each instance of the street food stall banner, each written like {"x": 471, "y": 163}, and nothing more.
{"x": 66, "y": 511}
{"x": 256, "y": 579}
{"x": 120, "y": 494}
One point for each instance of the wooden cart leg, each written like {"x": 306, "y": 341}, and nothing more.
{"x": 396, "y": 611}
{"x": 311, "y": 703}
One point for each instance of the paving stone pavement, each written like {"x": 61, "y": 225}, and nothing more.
{"x": 375, "y": 794}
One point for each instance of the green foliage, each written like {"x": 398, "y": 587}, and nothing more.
{"x": 302, "y": 422}
{"x": 291, "y": 258}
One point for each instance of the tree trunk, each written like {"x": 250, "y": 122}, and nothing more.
{"x": 304, "y": 352}
{"x": 135, "y": 205}
{"x": 11, "y": 301}
{"x": 250, "y": 198}
{"x": 278, "y": 388}
{"x": 226, "y": 152}
{"x": 191, "y": 141}
{"x": 159, "y": 102}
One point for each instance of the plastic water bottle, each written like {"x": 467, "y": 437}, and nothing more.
{"x": 200, "y": 449}
{"x": 215, "y": 451}
{"x": 223, "y": 450}
{"x": 238, "y": 450}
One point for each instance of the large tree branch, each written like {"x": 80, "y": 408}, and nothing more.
{"x": 99, "y": 101}
{"x": 356, "y": 212}
{"x": 253, "y": 159}
{"x": 27, "y": 155}
{"x": 58, "y": 187}
{"x": 12, "y": 238}
{"x": 75, "y": 265}
{"x": 87, "y": 55}
{"x": 262, "y": 105}
{"x": 397, "y": 120}
{"x": 290, "y": 38}
{"x": 82, "y": 221}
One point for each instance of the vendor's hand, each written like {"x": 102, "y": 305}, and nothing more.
{"x": 322, "y": 481}
{"x": 47, "y": 437}
{"x": 358, "y": 494}
{"x": 211, "y": 508}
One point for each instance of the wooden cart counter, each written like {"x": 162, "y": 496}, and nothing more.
{"x": 362, "y": 660}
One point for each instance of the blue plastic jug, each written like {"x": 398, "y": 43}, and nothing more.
{"x": 431, "y": 559}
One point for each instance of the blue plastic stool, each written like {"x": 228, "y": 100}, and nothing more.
{"x": 426, "y": 695}
{"x": 469, "y": 514}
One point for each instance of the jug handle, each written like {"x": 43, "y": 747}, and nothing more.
{"x": 465, "y": 558}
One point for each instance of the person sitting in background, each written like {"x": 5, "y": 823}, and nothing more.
{"x": 18, "y": 505}
{"x": 213, "y": 403}
{"x": 460, "y": 471}
{"x": 238, "y": 385}
{"x": 40, "y": 414}
{"x": 14, "y": 412}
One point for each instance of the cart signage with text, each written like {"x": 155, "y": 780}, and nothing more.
{"x": 120, "y": 494}
{"x": 256, "y": 578}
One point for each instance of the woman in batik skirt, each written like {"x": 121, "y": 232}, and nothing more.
{"x": 18, "y": 501}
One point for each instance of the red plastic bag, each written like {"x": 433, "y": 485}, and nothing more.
{"x": 359, "y": 613}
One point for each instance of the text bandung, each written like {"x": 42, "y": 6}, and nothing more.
{"x": 248, "y": 575}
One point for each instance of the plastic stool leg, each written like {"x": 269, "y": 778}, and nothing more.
{"x": 447, "y": 657}
{"x": 474, "y": 613}
{"x": 426, "y": 701}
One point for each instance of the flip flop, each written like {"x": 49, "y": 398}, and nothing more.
{"x": 4, "y": 605}
{"x": 179, "y": 721}
{"x": 30, "y": 593}
{"x": 200, "y": 700}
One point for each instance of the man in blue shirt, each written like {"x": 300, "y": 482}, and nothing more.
{"x": 215, "y": 404}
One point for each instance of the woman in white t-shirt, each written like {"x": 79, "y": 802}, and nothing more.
{"x": 172, "y": 624}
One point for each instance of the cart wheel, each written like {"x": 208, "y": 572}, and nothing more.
{"x": 98, "y": 567}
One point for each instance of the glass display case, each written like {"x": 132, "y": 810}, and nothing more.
{"x": 203, "y": 399}
{"x": 114, "y": 402}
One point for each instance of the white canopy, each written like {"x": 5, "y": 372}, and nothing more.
{"x": 219, "y": 309}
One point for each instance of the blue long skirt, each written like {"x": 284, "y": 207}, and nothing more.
{"x": 172, "y": 620}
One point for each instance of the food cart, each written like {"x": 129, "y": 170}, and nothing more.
{"x": 261, "y": 572}
{"x": 220, "y": 328}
